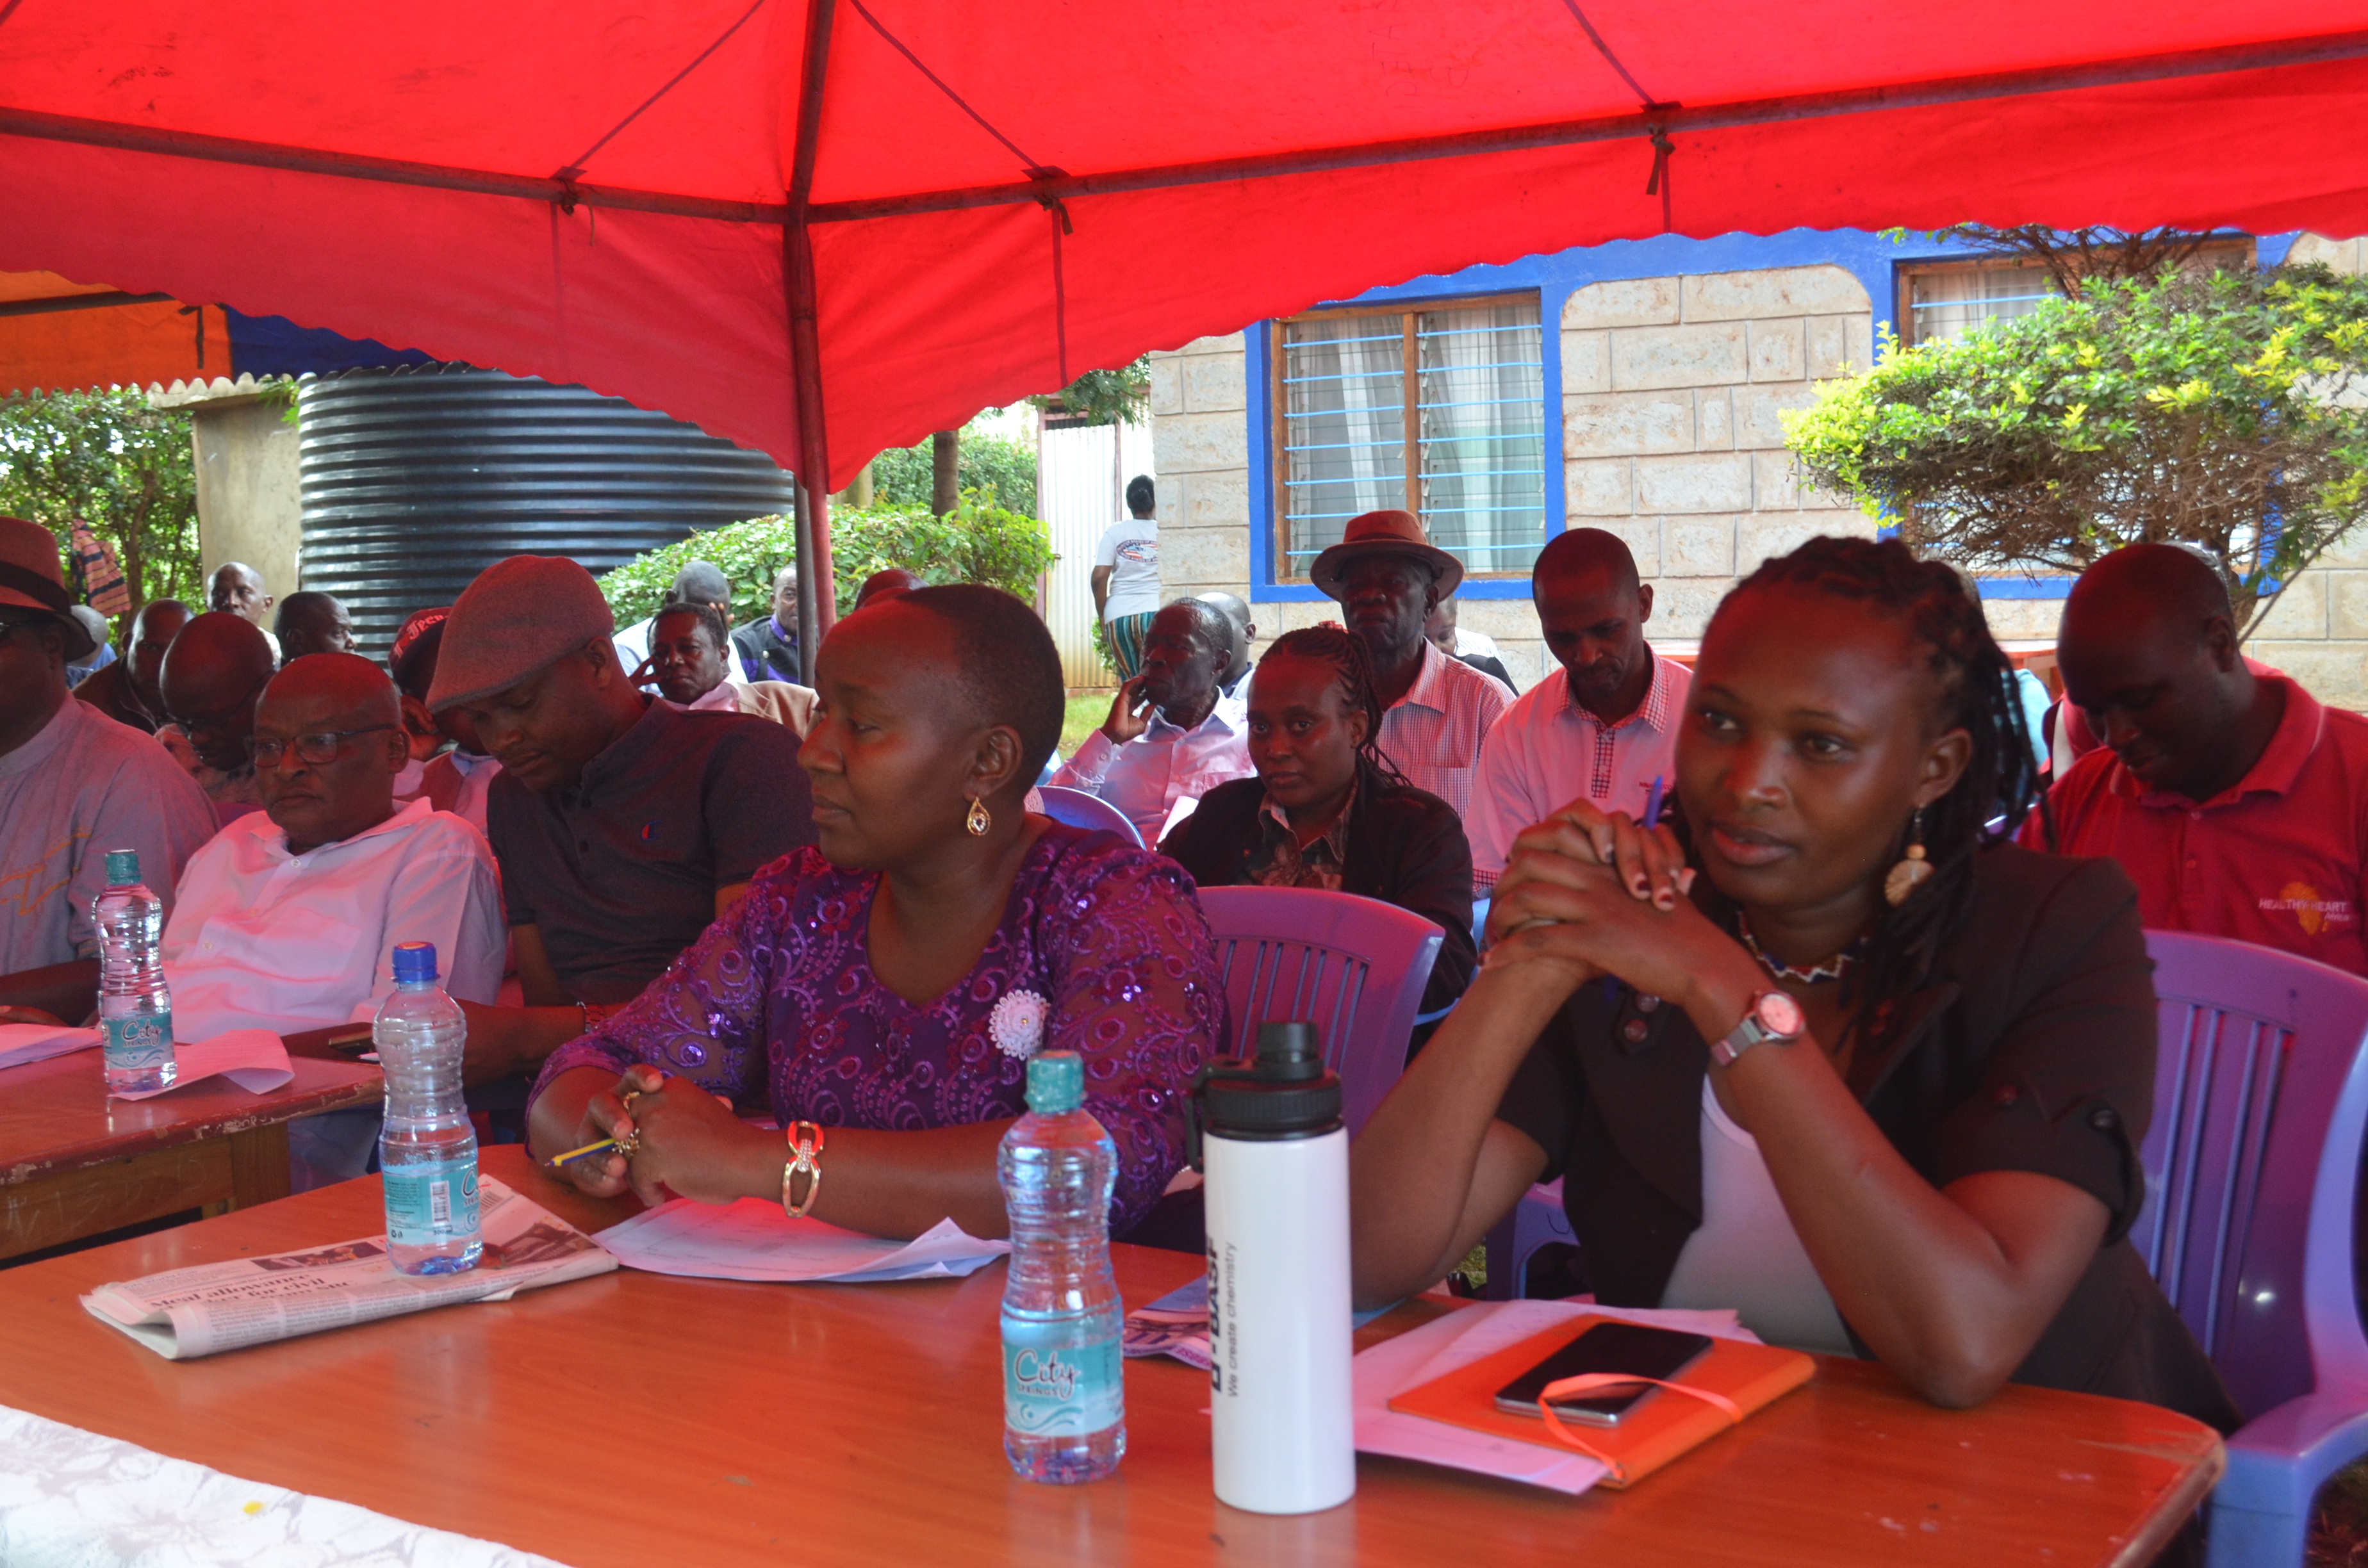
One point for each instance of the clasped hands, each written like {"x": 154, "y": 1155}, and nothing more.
{"x": 685, "y": 1142}
{"x": 1587, "y": 892}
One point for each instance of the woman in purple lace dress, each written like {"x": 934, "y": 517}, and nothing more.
{"x": 855, "y": 987}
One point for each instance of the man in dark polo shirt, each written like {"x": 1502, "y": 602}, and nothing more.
{"x": 622, "y": 825}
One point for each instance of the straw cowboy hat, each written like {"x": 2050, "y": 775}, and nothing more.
{"x": 1383, "y": 533}
{"x": 30, "y": 579}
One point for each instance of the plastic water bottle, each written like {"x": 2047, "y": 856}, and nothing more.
{"x": 1281, "y": 1427}
{"x": 1064, "y": 1387}
{"x": 135, "y": 1010}
{"x": 427, "y": 1149}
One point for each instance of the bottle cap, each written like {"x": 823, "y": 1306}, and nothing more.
{"x": 123, "y": 868}
{"x": 414, "y": 962}
{"x": 1284, "y": 1092}
{"x": 1056, "y": 1082}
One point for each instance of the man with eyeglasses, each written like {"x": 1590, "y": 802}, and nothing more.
{"x": 73, "y": 785}
{"x": 287, "y": 920}
{"x": 213, "y": 674}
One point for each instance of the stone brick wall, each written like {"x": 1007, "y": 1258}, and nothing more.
{"x": 1672, "y": 393}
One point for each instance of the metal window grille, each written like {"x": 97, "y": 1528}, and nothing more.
{"x": 1439, "y": 411}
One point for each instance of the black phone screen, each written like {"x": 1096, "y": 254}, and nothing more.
{"x": 1628, "y": 1348}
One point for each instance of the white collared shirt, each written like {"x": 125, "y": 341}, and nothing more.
{"x": 260, "y": 938}
{"x": 1433, "y": 734}
{"x": 1147, "y": 777}
{"x": 1548, "y": 751}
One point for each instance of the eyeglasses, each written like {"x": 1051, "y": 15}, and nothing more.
{"x": 319, "y": 748}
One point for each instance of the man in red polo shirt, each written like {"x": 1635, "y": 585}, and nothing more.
{"x": 2236, "y": 801}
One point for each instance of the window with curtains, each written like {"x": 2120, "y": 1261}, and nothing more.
{"x": 1943, "y": 298}
{"x": 1439, "y": 409}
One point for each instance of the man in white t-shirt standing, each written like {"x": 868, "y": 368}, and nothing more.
{"x": 1126, "y": 577}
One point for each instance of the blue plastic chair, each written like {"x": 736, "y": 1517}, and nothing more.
{"x": 2252, "y": 1162}
{"x": 1080, "y": 810}
{"x": 1354, "y": 965}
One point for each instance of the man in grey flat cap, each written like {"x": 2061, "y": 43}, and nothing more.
{"x": 622, "y": 825}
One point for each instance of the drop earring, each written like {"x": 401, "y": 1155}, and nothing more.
{"x": 1912, "y": 869}
{"x": 978, "y": 822}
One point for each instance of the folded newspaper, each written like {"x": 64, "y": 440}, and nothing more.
{"x": 189, "y": 1312}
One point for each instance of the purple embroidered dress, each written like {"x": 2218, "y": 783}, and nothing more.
{"x": 776, "y": 1006}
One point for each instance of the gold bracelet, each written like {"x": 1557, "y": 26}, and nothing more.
{"x": 806, "y": 1140}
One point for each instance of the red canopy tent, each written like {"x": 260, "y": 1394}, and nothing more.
{"x": 752, "y": 213}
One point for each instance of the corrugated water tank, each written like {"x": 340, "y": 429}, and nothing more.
{"x": 416, "y": 479}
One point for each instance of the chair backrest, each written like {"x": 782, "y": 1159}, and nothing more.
{"x": 2260, "y": 1094}
{"x": 1080, "y": 810}
{"x": 1355, "y": 967}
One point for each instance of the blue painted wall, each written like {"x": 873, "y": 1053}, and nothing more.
{"x": 1873, "y": 260}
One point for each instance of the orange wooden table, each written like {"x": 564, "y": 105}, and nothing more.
{"x": 75, "y": 1163}
{"x": 643, "y": 1421}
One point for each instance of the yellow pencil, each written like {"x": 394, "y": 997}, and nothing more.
{"x": 558, "y": 1160}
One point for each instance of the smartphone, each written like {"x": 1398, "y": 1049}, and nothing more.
{"x": 1627, "y": 1348}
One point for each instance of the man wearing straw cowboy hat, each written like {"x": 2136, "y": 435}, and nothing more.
{"x": 1389, "y": 577}
{"x": 73, "y": 785}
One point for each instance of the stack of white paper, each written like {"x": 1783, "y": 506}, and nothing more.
{"x": 754, "y": 1240}
{"x": 23, "y": 1043}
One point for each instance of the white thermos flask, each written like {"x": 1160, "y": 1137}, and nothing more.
{"x": 1276, "y": 1155}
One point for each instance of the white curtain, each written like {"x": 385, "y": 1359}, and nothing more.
{"x": 1945, "y": 303}
{"x": 1482, "y": 410}
{"x": 1344, "y": 428}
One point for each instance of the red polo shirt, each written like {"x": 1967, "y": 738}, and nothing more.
{"x": 2276, "y": 859}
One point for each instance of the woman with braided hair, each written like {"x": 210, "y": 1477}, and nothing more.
{"x": 1829, "y": 1050}
{"x": 1327, "y": 810}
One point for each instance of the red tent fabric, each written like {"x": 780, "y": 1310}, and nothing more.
{"x": 996, "y": 198}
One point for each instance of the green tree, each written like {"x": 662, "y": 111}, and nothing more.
{"x": 978, "y": 541}
{"x": 117, "y": 464}
{"x": 2222, "y": 411}
{"x": 1105, "y": 397}
{"x": 901, "y": 477}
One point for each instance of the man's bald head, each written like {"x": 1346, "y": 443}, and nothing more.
{"x": 152, "y": 631}
{"x": 1237, "y": 616}
{"x": 1591, "y": 612}
{"x": 212, "y": 675}
{"x": 238, "y": 589}
{"x": 886, "y": 583}
{"x": 328, "y": 744}
{"x": 310, "y": 622}
{"x": 2148, "y": 651}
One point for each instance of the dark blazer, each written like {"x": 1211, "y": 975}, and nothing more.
{"x": 2031, "y": 1048}
{"x": 1404, "y": 845}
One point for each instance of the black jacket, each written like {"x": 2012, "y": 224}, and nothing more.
{"x": 2031, "y": 1048}
{"x": 1404, "y": 845}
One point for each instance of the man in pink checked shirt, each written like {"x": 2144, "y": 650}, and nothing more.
{"x": 1605, "y": 728}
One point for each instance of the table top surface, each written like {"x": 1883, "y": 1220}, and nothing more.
{"x": 636, "y": 1418}
{"x": 55, "y": 1115}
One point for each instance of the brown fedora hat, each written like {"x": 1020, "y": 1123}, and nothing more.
{"x": 30, "y": 579}
{"x": 1384, "y": 533}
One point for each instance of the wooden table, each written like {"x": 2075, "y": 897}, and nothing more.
{"x": 75, "y": 1163}
{"x": 637, "y": 1420}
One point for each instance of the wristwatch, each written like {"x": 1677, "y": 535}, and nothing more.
{"x": 1773, "y": 1016}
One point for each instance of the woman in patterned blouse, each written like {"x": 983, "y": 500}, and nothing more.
{"x": 853, "y": 986}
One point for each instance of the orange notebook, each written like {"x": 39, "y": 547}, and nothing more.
{"x": 1748, "y": 1376}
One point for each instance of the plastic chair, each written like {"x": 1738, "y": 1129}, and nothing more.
{"x": 1354, "y": 965}
{"x": 1078, "y": 809}
{"x": 1536, "y": 1221}
{"x": 2252, "y": 1162}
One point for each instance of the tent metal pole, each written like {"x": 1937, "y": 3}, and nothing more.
{"x": 818, "y": 591}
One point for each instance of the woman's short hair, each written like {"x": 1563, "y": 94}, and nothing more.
{"x": 1141, "y": 492}
{"x": 708, "y": 616}
{"x": 1009, "y": 667}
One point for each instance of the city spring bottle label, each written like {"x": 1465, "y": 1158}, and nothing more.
{"x": 426, "y": 1204}
{"x": 137, "y": 1041}
{"x": 1067, "y": 1392}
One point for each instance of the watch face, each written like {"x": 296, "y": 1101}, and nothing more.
{"x": 1779, "y": 1015}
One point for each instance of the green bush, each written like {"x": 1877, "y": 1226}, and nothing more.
{"x": 2219, "y": 411}
{"x": 902, "y": 477}
{"x": 979, "y": 541}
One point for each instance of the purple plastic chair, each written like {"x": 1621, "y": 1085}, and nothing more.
{"x": 1354, "y": 965}
{"x": 1080, "y": 810}
{"x": 2260, "y": 1097}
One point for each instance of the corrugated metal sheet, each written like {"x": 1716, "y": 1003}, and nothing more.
{"x": 415, "y": 480}
{"x": 1081, "y": 474}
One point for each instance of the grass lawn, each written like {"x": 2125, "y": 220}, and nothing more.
{"x": 1088, "y": 709}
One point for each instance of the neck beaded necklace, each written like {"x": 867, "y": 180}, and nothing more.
{"x": 1831, "y": 969}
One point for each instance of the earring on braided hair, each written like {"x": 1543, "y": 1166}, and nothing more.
{"x": 1912, "y": 867}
